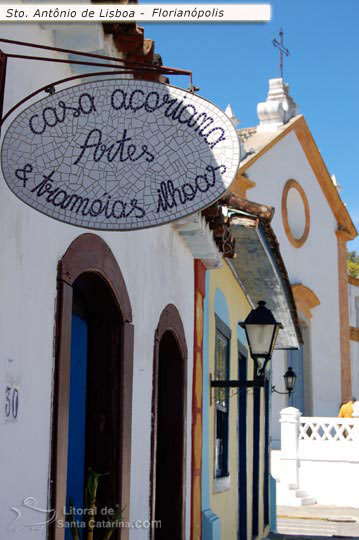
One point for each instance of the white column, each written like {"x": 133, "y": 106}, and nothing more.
{"x": 289, "y": 421}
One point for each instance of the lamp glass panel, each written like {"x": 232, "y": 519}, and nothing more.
{"x": 260, "y": 338}
{"x": 275, "y": 330}
{"x": 290, "y": 379}
{"x": 290, "y": 384}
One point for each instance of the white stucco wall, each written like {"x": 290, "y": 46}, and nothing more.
{"x": 286, "y": 160}
{"x": 157, "y": 268}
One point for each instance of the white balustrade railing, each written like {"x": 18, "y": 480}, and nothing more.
{"x": 319, "y": 455}
{"x": 326, "y": 429}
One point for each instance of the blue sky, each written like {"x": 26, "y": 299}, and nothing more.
{"x": 232, "y": 62}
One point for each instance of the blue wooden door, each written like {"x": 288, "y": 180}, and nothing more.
{"x": 296, "y": 361}
{"x": 77, "y": 415}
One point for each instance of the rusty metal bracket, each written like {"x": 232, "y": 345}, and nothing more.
{"x": 258, "y": 382}
{"x": 121, "y": 67}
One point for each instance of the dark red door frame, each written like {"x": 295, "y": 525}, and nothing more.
{"x": 170, "y": 321}
{"x": 89, "y": 253}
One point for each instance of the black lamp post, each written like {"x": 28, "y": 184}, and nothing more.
{"x": 290, "y": 379}
{"x": 261, "y": 331}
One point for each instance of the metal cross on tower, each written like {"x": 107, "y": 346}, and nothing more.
{"x": 282, "y": 49}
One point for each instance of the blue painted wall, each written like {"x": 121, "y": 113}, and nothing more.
{"x": 211, "y": 524}
{"x": 241, "y": 335}
{"x": 221, "y": 307}
{"x": 273, "y": 504}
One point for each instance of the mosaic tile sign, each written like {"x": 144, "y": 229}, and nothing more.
{"x": 119, "y": 154}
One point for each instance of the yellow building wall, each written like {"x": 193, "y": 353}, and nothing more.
{"x": 225, "y": 504}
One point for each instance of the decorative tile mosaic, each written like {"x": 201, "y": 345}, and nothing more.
{"x": 120, "y": 154}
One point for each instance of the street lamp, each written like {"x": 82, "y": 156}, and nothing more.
{"x": 289, "y": 380}
{"x": 261, "y": 331}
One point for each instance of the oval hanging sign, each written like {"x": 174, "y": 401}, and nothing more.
{"x": 120, "y": 154}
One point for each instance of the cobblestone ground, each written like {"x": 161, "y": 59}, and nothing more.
{"x": 316, "y": 522}
{"x": 309, "y": 528}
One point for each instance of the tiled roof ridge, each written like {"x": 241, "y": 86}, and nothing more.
{"x": 274, "y": 243}
{"x": 246, "y": 133}
{"x": 129, "y": 39}
{"x": 262, "y": 211}
{"x": 265, "y": 214}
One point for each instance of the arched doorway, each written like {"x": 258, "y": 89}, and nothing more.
{"x": 93, "y": 380}
{"x": 168, "y": 473}
{"x": 94, "y": 412}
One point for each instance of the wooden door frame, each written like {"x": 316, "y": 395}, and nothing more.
{"x": 170, "y": 321}
{"x": 88, "y": 253}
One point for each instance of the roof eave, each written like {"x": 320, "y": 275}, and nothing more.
{"x": 261, "y": 270}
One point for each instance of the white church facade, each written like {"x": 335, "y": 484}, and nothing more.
{"x": 283, "y": 167}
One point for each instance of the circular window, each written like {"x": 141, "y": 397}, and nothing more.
{"x": 295, "y": 213}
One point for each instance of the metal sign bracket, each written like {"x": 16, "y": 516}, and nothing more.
{"x": 118, "y": 67}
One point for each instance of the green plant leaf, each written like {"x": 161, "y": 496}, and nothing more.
{"x": 74, "y": 529}
{"x": 117, "y": 517}
{"x": 92, "y": 483}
